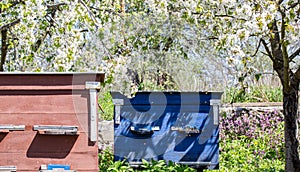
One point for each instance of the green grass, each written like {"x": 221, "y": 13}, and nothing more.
{"x": 253, "y": 94}
{"x": 106, "y": 164}
{"x": 106, "y": 104}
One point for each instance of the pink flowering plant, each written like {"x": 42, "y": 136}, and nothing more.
{"x": 252, "y": 141}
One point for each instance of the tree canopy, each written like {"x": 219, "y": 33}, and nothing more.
{"x": 47, "y": 35}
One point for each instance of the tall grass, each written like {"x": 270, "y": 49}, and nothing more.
{"x": 253, "y": 94}
{"x": 106, "y": 106}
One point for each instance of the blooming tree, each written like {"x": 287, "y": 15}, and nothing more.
{"x": 116, "y": 36}
{"x": 151, "y": 49}
{"x": 246, "y": 28}
{"x": 38, "y": 35}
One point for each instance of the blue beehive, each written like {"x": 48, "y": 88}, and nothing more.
{"x": 182, "y": 127}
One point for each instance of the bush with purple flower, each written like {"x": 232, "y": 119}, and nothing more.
{"x": 252, "y": 140}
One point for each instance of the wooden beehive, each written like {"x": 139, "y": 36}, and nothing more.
{"x": 49, "y": 118}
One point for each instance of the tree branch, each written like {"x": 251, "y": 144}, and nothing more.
{"x": 224, "y": 15}
{"x": 51, "y": 15}
{"x": 228, "y": 16}
{"x": 297, "y": 75}
{"x": 285, "y": 56}
{"x": 266, "y": 54}
{"x": 90, "y": 13}
{"x": 208, "y": 38}
{"x": 39, "y": 42}
{"x": 13, "y": 37}
{"x": 276, "y": 53}
{"x": 6, "y": 26}
{"x": 107, "y": 10}
{"x": 17, "y": 2}
{"x": 55, "y": 6}
{"x": 276, "y": 45}
{"x": 267, "y": 49}
{"x": 280, "y": 1}
{"x": 257, "y": 48}
{"x": 293, "y": 5}
{"x": 295, "y": 54}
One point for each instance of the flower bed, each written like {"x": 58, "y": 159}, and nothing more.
{"x": 252, "y": 141}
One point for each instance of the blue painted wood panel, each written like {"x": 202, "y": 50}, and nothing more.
{"x": 173, "y": 126}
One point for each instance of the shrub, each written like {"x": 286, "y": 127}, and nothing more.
{"x": 253, "y": 94}
{"x": 252, "y": 141}
{"x": 105, "y": 159}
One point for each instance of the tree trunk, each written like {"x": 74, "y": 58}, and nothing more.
{"x": 290, "y": 109}
{"x": 3, "y": 48}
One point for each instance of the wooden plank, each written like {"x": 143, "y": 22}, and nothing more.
{"x": 48, "y": 79}
{"x": 260, "y": 106}
{"x": 254, "y": 104}
{"x": 44, "y": 103}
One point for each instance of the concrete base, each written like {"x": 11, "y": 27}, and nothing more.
{"x": 106, "y": 134}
